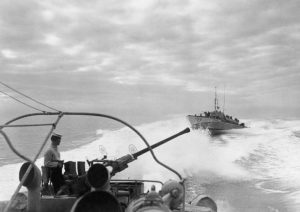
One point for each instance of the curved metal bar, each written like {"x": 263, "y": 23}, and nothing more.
{"x": 47, "y": 137}
{"x": 147, "y": 181}
{"x": 24, "y": 116}
{"x": 31, "y": 162}
{"x": 29, "y": 115}
{"x": 12, "y": 147}
{"x": 26, "y": 125}
{"x": 60, "y": 114}
{"x": 105, "y": 116}
{"x": 135, "y": 130}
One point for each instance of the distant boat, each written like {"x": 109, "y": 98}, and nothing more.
{"x": 95, "y": 189}
{"x": 217, "y": 122}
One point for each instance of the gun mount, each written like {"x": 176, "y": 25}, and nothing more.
{"x": 121, "y": 163}
{"x": 97, "y": 177}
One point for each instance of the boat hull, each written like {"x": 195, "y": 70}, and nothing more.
{"x": 212, "y": 124}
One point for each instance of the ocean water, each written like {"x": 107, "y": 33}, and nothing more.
{"x": 252, "y": 169}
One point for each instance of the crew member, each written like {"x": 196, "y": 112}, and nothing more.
{"x": 53, "y": 163}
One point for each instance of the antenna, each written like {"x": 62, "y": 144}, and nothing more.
{"x": 215, "y": 98}
{"x": 224, "y": 101}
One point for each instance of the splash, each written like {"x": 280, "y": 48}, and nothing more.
{"x": 266, "y": 154}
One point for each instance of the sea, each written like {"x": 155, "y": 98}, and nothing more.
{"x": 251, "y": 169}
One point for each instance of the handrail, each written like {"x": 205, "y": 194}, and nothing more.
{"x": 31, "y": 162}
{"x": 29, "y": 115}
{"x": 12, "y": 147}
{"x": 129, "y": 180}
{"x": 60, "y": 115}
{"x": 26, "y": 125}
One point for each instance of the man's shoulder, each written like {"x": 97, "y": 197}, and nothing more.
{"x": 49, "y": 151}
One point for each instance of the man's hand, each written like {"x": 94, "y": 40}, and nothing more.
{"x": 60, "y": 163}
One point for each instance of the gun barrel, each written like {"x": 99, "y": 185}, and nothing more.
{"x": 135, "y": 155}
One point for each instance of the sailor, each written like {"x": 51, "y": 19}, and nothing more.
{"x": 53, "y": 163}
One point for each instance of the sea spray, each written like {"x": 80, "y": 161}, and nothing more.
{"x": 262, "y": 157}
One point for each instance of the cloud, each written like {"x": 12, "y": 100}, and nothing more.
{"x": 74, "y": 49}
{"x": 9, "y": 54}
{"x": 249, "y": 46}
{"x": 52, "y": 40}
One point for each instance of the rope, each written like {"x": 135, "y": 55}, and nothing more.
{"x": 89, "y": 114}
{"x": 36, "y": 101}
{"x": 21, "y": 102}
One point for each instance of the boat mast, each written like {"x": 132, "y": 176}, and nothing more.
{"x": 216, "y": 100}
{"x": 224, "y": 101}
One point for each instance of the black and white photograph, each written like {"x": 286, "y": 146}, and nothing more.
{"x": 150, "y": 106}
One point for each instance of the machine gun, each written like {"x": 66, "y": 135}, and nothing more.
{"x": 94, "y": 185}
{"x": 121, "y": 163}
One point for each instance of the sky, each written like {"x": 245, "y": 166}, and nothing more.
{"x": 150, "y": 59}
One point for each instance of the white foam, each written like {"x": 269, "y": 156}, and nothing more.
{"x": 266, "y": 150}
{"x": 260, "y": 185}
{"x": 9, "y": 179}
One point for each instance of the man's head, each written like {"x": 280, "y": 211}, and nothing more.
{"x": 55, "y": 138}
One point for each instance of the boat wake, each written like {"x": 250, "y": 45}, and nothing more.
{"x": 267, "y": 151}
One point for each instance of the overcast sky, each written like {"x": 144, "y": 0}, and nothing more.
{"x": 153, "y": 58}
